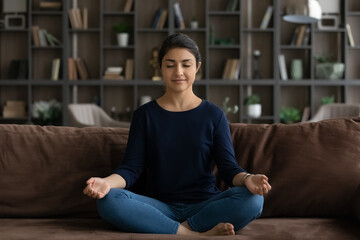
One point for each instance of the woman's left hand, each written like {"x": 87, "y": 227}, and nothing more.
{"x": 257, "y": 184}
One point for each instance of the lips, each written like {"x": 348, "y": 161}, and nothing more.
{"x": 178, "y": 80}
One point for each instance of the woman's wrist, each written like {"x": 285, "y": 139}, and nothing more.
{"x": 244, "y": 178}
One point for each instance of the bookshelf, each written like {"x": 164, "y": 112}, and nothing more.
{"x": 242, "y": 35}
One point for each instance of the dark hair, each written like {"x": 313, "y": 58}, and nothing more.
{"x": 179, "y": 40}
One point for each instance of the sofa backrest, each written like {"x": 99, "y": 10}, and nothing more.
{"x": 314, "y": 168}
{"x": 43, "y": 170}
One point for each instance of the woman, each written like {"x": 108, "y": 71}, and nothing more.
{"x": 176, "y": 139}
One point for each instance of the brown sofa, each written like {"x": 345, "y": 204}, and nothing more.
{"x": 314, "y": 169}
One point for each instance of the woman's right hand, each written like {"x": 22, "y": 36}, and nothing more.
{"x": 96, "y": 188}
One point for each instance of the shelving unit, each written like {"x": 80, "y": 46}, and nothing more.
{"x": 97, "y": 46}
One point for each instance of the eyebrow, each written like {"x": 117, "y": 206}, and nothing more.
{"x": 171, "y": 60}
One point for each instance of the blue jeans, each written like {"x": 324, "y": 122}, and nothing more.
{"x": 131, "y": 212}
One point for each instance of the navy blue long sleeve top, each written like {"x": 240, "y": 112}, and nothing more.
{"x": 178, "y": 151}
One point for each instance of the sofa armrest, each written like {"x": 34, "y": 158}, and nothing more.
{"x": 357, "y": 204}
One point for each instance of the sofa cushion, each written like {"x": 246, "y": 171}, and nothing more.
{"x": 314, "y": 168}
{"x": 89, "y": 229}
{"x": 43, "y": 170}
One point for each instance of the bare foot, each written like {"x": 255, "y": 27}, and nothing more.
{"x": 221, "y": 229}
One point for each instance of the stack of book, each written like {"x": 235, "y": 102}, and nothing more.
{"x": 14, "y": 109}
{"x": 232, "y": 69}
{"x": 50, "y": 5}
{"x": 113, "y": 73}
{"x": 78, "y": 20}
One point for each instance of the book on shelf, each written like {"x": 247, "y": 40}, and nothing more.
{"x": 35, "y": 35}
{"x": 75, "y": 17}
{"x": 14, "y": 109}
{"x": 129, "y": 69}
{"x": 82, "y": 68}
{"x": 350, "y": 35}
{"x": 301, "y": 36}
{"x": 50, "y": 5}
{"x": 157, "y": 18}
{"x": 306, "y": 38}
{"x": 72, "y": 69}
{"x": 128, "y": 5}
{"x": 179, "y": 20}
{"x": 282, "y": 67}
{"x": 53, "y": 41}
{"x": 162, "y": 20}
{"x": 41, "y": 37}
{"x": 43, "y": 42}
{"x": 231, "y": 5}
{"x": 85, "y": 18}
{"x": 113, "y": 73}
{"x": 22, "y": 72}
{"x": 266, "y": 19}
{"x": 232, "y": 69}
{"x": 55, "y": 70}
{"x": 18, "y": 69}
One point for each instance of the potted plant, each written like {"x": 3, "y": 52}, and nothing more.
{"x": 326, "y": 68}
{"x": 328, "y": 100}
{"x": 289, "y": 115}
{"x": 122, "y": 30}
{"x": 253, "y": 108}
{"x": 47, "y": 112}
{"x": 194, "y": 24}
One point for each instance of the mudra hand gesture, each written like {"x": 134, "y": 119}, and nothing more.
{"x": 96, "y": 188}
{"x": 257, "y": 184}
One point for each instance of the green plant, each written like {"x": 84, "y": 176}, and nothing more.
{"x": 48, "y": 112}
{"x": 121, "y": 27}
{"x": 328, "y": 100}
{"x": 289, "y": 115}
{"x": 324, "y": 58}
{"x": 252, "y": 99}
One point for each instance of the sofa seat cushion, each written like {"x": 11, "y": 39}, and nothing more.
{"x": 264, "y": 228}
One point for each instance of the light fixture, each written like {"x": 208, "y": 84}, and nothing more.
{"x": 303, "y": 11}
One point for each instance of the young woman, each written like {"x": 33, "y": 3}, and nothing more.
{"x": 176, "y": 139}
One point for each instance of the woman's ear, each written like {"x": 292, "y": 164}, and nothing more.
{"x": 198, "y": 68}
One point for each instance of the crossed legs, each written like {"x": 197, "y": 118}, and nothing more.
{"x": 222, "y": 214}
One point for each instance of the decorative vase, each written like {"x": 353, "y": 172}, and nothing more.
{"x": 123, "y": 39}
{"x": 296, "y": 69}
{"x": 330, "y": 70}
{"x": 194, "y": 24}
{"x": 254, "y": 110}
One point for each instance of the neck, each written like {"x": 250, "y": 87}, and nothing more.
{"x": 179, "y": 102}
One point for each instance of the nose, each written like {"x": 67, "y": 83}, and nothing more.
{"x": 179, "y": 70}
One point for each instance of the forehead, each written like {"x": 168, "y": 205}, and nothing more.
{"x": 179, "y": 54}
